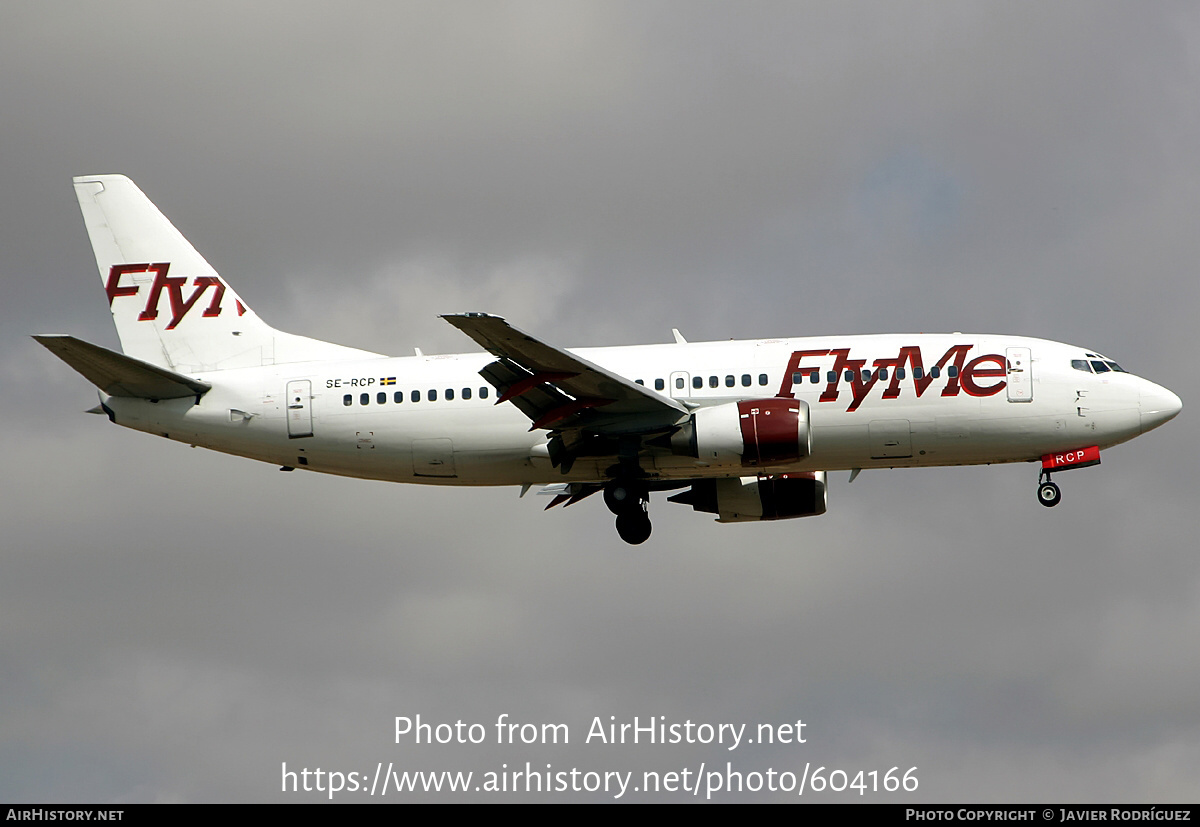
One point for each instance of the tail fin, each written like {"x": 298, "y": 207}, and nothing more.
{"x": 169, "y": 305}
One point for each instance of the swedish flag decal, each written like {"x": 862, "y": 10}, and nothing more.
{"x": 388, "y": 380}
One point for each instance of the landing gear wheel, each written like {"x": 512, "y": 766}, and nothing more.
{"x": 622, "y": 496}
{"x": 1048, "y": 494}
{"x": 634, "y": 526}
{"x": 627, "y": 499}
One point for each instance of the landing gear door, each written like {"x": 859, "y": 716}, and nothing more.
{"x": 299, "y": 408}
{"x": 1019, "y": 375}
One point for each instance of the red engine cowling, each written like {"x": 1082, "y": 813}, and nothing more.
{"x": 754, "y": 433}
{"x": 752, "y": 499}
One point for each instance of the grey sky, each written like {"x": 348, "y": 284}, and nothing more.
{"x": 176, "y": 623}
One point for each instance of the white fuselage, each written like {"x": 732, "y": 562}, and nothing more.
{"x": 394, "y": 418}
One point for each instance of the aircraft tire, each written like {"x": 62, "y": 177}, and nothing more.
{"x": 1049, "y": 494}
{"x": 634, "y": 527}
{"x": 621, "y": 497}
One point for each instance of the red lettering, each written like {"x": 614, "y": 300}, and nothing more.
{"x": 112, "y": 286}
{"x": 860, "y": 389}
{"x": 161, "y": 280}
{"x": 1079, "y": 458}
{"x": 960, "y": 374}
{"x": 180, "y": 308}
{"x": 960, "y": 356}
{"x": 793, "y": 367}
{"x": 912, "y": 357}
{"x": 841, "y": 364}
{"x": 174, "y": 287}
{"x": 214, "y": 307}
{"x": 973, "y": 371}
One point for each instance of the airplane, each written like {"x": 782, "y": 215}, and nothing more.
{"x": 745, "y": 430}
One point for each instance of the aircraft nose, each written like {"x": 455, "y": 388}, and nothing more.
{"x": 1158, "y": 405}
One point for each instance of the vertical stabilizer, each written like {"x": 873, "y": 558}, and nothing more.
{"x": 170, "y": 306}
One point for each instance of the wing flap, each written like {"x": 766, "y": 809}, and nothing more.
{"x": 119, "y": 375}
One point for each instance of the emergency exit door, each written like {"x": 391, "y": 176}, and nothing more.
{"x": 679, "y": 385}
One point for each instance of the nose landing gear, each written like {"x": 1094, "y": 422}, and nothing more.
{"x": 1048, "y": 493}
{"x": 628, "y": 501}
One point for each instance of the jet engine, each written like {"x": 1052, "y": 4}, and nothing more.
{"x": 753, "y": 433}
{"x": 752, "y": 499}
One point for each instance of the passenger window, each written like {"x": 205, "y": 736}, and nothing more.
{"x": 883, "y": 373}
{"x": 381, "y": 398}
{"x": 416, "y": 396}
{"x": 797, "y": 378}
{"x": 713, "y": 381}
{"x": 638, "y": 382}
{"x": 432, "y": 395}
{"x": 697, "y": 382}
{"x": 934, "y": 372}
{"x": 849, "y": 376}
{"x": 952, "y": 371}
{"x": 866, "y": 376}
{"x": 745, "y": 380}
{"x": 659, "y": 384}
{"x": 831, "y": 377}
{"x": 762, "y": 379}
{"x": 364, "y": 399}
{"x": 483, "y": 392}
{"x": 815, "y": 378}
{"x": 679, "y": 383}
{"x": 729, "y": 381}
{"x": 466, "y": 393}
{"x": 347, "y": 400}
{"x": 899, "y": 373}
{"x": 398, "y": 396}
{"x": 449, "y": 394}
{"x": 918, "y": 373}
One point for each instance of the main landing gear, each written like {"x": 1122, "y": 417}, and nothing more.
{"x": 1049, "y": 494}
{"x": 628, "y": 499}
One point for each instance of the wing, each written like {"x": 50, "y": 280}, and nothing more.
{"x": 557, "y": 389}
{"x": 573, "y": 398}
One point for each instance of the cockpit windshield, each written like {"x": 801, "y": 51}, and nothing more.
{"x": 1095, "y": 363}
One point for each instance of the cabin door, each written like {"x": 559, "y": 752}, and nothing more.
{"x": 1019, "y": 374}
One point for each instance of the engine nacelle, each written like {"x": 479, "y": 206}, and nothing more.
{"x": 751, "y": 499}
{"x": 753, "y": 433}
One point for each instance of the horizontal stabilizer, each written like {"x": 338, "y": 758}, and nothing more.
{"x": 120, "y": 375}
